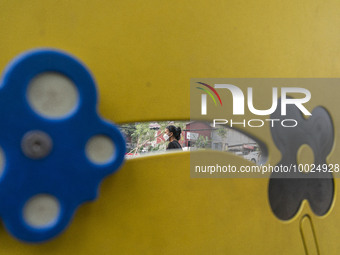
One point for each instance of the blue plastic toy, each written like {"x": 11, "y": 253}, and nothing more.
{"x": 47, "y": 155}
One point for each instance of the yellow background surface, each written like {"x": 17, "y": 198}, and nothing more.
{"x": 142, "y": 55}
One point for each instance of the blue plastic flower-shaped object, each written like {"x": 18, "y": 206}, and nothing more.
{"x": 52, "y": 161}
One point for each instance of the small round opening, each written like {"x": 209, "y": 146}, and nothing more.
{"x": 52, "y": 95}
{"x": 41, "y": 211}
{"x": 37, "y": 146}
{"x": 100, "y": 149}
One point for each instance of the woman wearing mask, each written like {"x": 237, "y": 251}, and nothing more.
{"x": 173, "y": 134}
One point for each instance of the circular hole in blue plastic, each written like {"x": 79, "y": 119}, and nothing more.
{"x": 100, "y": 149}
{"x": 52, "y": 95}
{"x": 41, "y": 211}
